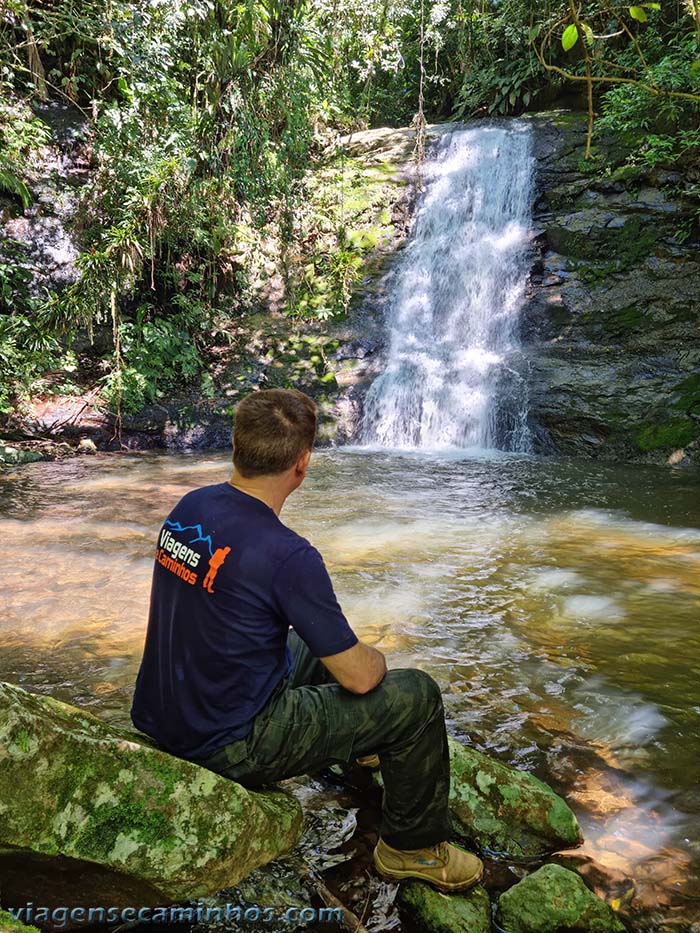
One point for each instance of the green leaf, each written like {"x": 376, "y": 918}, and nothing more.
{"x": 13, "y": 185}
{"x": 570, "y": 37}
{"x": 588, "y": 34}
{"x": 636, "y": 12}
{"x": 533, "y": 32}
{"x": 124, "y": 88}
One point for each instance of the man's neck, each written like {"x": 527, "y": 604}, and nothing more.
{"x": 268, "y": 491}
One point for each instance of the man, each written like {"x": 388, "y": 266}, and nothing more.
{"x": 251, "y": 669}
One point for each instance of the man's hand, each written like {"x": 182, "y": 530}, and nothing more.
{"x": 359, "y": 669}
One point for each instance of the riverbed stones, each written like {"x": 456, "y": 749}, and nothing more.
{"x": 555, "y": 900}
{"x": 430, "y": 911}
{"x": 14, "y": 455}
{"x": 505, "y": 810}
{"x": 70, "y": 785}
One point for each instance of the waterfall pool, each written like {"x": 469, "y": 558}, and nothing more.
{"x": 556, "y": 602}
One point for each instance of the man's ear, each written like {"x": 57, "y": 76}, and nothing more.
{"x": 303, "y": 463}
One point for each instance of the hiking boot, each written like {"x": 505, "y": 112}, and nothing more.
{"x": 368, "y": 761}
{"x": 443, "y": 865}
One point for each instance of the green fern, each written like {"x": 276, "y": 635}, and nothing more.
{"x": 11, "y": 184}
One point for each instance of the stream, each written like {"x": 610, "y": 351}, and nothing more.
{"x": 556, "y": 602}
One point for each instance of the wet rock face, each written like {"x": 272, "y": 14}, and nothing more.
{"x": 42, "y": 238}
{"x": 507, "y": 811}
{"x": 74, "y": 787}
{"x": 554, "y": 900}
{"x": 610, "y": 329}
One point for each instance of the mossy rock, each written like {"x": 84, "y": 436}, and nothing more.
{"x": 8, "y": 924}
{"x": 70, "y": 785}
{"x": 430, "y": 911}
{"x": 17, "y": 455}
{"x": 555, "y": 900}
{"x": 505, "y": 810}
{"x": 675, "y": 432}
{"x": 686, "y": 395}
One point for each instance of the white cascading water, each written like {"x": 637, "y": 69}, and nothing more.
{"x": 457, "y": 291}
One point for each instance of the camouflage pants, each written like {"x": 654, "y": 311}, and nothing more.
{"x": 311, "y": 722}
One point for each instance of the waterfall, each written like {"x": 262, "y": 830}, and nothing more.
{"x": 456, "y": 293}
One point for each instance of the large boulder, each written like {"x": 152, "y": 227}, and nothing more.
{"x": 507, "y": 811}
{"x": 430, "y": 911}
{"x": 555, "y": 900}
{"x": 72, "y": 786}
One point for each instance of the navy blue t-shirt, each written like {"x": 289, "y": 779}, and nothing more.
{"x": 229, "y": 580}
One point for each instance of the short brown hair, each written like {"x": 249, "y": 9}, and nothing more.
{"x": 272, "y": 429}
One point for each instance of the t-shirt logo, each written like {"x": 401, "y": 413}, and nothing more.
{"x": 181, "y": 559}
{"x": 215, "y": 562}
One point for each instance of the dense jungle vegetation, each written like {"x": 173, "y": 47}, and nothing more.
{"x": 205, "y": 119}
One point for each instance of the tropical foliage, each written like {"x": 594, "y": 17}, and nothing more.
{"x": 205, "y": 116}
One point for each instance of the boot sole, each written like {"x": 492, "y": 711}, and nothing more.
{"x": 447, "y": 888}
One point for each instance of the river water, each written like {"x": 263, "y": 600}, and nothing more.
{"x": 556, "y": 602}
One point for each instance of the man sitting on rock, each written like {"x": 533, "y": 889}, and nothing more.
{"x": 257, "y": 674}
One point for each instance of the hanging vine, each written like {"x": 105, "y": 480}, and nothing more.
{"x": 419, "y": 123}
{"x": 576, "y": 31}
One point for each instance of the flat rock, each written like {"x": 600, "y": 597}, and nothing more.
{"x": 555, "y": 900}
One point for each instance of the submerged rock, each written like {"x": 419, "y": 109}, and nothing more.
{"x": 507, "y": 811}
{"x": 554, "y": 899}
{"x": 430, "y": 911}
{"x": 71, "y": 785}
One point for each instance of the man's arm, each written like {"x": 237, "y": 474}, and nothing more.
{"x": 359, "y": 669}
{"x": 308, "y": 603}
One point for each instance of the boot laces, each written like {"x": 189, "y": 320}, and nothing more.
{"x": 441, "y": 851}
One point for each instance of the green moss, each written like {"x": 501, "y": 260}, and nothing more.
{"x": 86, "y": 790}
{"x": 355, "y": 201}
{"x": 630, "y": 245}
{"x": 22, "y": 740}
{"x": 98, "y": 834}
{"x": 164, "y": 778}
{"x": 8, "y": 924}
{"x": 686, "y": 395}
{"x": 567, "y": 119}
{"x": 512, "y": 795}
{"x": 673, "y": 433}
{"x": 630, "y": 318}
{"x": 553, "y": 900}
{"x": 429, "y": 911}
{"x": 507, "y": 810}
